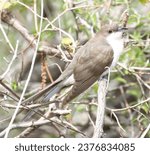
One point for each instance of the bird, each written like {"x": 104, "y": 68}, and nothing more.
{"x": 89, "y": 63}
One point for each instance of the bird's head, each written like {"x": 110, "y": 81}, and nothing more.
{"x": 113, "y": 31}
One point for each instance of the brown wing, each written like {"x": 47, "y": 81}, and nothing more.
{"x": 90, "y": 65}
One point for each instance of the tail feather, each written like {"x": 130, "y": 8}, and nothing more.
{"x": 55, "y": 88}
{"x": 39, "y": 94}
{"x": 52, "y": 92}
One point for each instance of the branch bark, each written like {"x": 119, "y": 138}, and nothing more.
{"x": 102, "y": 90}
{"x": 8, "y": 18}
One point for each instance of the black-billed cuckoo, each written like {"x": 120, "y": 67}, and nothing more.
{"x": 88, "y": 64}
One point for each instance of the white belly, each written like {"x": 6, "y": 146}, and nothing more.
{"x": 117, "y": 43}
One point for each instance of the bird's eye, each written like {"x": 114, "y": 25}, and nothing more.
{"x": 110, "y": 31}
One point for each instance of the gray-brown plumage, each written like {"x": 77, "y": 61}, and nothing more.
{"x": 88, "y": 64}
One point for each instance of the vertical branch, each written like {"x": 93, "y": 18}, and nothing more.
{"x": 102, "y": 90}
{"x": 35, "y": 16}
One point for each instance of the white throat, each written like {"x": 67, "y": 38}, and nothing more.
{"x": 116, "y": 41}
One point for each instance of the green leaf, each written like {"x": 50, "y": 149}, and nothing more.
{"x": 6, "y": 4}
{"x": 134, "y": 92}
{"x": 68, "y": 117}
{"x": 81, "y": 108}
{"x": 121, "y": 80}
{"x": 144, "y": 1}
{"x": 145, "y": 107}
{"x": 14, "y": 86}
{"x": 28, "y": 2}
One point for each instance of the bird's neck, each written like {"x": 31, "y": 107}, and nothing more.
{"x": 117, "y": 46}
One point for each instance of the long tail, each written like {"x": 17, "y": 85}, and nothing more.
{"x": 41, "y": 93}
{"x": 55, "y": 89}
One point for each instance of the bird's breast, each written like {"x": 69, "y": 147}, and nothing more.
{"x": 117, "y": 46}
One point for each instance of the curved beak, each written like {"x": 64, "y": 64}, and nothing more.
{"x": 122, "y": 29}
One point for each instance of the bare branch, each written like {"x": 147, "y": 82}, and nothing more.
{"x": 145, "y": 131}
{"x": 120, "y": 126}
{"x": 30, "y": 73}
{"x": 130, "y": 107}
{"x": 6, "y": 17}
{"x": 11, "y": 62}
{"x": 9, "y": 89}
{"x": 98, "y": 131}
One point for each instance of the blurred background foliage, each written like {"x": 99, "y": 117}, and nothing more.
{"x": 81, "y": 19}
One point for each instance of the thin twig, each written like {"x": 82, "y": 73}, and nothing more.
{"x": 32, "y": 128}
{"x": 4, "y": 33}
{"x": 7, "y": 94}
{"x": 129, "y": 110}
{"x": 89, "y": 116}
{"x": 120, "y": 126}
{"x": 49, "y": 73}
{"x": 11, "y": 62}
{"x": 133, "y": 73}
{"x": 145, "y": 131}
{"x": 9, "y": 19}
{"x": 130, "y": 107}
{"x": 9, "y": 89}
{"x": 35, "y": 15}
{"x": 28, "y": 79}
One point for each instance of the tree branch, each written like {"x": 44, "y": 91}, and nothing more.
{"x": 102, "y": 90}
{"x": 7, "y": 18}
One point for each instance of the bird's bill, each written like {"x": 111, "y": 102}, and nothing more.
{"x": 122, "y": 29}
